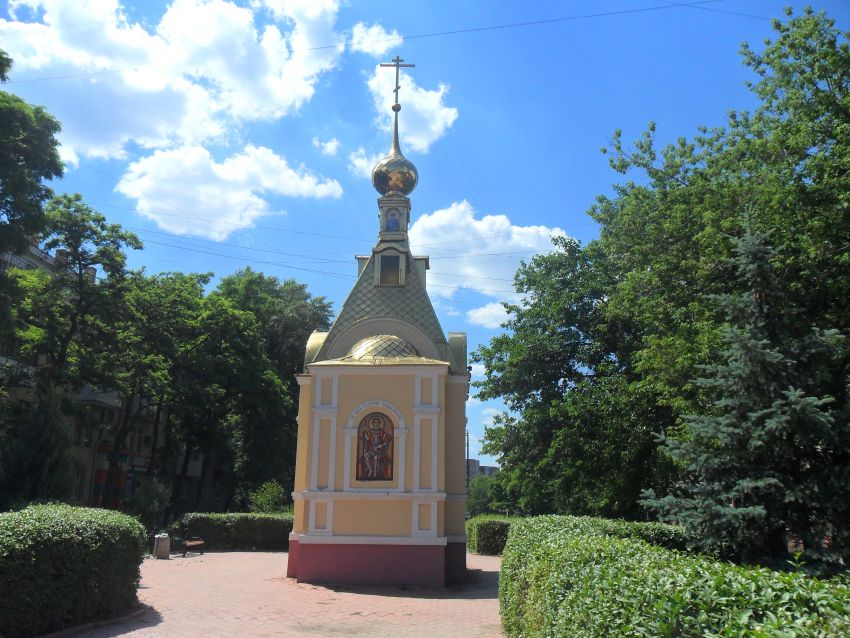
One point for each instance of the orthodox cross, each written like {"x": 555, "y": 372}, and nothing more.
{"x": 397, "y": 63}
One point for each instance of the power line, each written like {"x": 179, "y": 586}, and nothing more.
{"x": 188, "y": 215}
{"x": 436, "y": 34}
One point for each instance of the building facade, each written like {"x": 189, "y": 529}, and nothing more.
{"x": 380, "y": 473}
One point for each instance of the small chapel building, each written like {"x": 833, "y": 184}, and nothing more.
{"x": 380, "y": 470}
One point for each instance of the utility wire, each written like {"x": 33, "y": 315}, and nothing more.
{"x": 436, "y": 34}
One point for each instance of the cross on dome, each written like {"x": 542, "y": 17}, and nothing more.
{"x": 397, "y": 63}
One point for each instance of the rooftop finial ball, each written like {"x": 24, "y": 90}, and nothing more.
{"x": 396, "y": 107}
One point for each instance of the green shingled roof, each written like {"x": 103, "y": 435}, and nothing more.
{"x": 409, "y": 303}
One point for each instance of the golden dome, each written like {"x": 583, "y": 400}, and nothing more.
{"x": 395, "y": 173}
{"x": 381, "y": 347}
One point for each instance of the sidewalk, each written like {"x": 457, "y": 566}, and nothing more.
{"x": 247, "y": 594}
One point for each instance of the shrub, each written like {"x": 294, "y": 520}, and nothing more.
{"x": 61, "y": 566}
{"x": 240, "y": 531}
{"x": 270, "y": 497}
{"x": 561, "y": 577}
{"x": 149, "y": 502}
{"x": 487, "y": 534}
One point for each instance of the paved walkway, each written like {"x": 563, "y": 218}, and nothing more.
{"x": 247, "y": 594}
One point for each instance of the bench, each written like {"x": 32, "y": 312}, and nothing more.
{"x": 193, "y": 544}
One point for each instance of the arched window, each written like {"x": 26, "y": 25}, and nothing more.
{"x": 375, "y": 448}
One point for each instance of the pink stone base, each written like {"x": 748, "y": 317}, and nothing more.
{"x": 421, "y": 565}
{"x": 292, "y": 561}
{"x": 455, "y": 562}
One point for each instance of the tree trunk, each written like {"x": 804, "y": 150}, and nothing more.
{"x": 206, "y": 466}
{"x": 155, "y": 439}
{"x": 111, "y": 488}
{"x": 178, "y": 483}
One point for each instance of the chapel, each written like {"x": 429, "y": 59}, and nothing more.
{"x": 380, "y": 470}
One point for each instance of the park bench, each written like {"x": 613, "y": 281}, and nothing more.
{"x": 193, "y": 544}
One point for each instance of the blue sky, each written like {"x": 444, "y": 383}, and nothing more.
{"x": 232, "y": 134}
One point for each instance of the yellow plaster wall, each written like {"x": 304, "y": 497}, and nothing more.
{"x": 371, "y": 518}
{"x": 302, "y": 449}
{"x": 322, "y": 475}
{"x": 321, "y": 521}
{"x": 454, "y": 438}
{"x": 425, "y": 453}
{"x": 353, "y": 390}
{"x": 454, "y": 517}
{"x": 301, "y": 512}
{"x": 426, "y": 391}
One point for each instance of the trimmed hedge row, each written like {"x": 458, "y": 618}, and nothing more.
{"x": 240, "y": 531}
{"x": 558, "y": 579}
{"x": 62, "y": 566}
{"x": 486, "y": 534}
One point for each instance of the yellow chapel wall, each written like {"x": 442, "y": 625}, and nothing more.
{"x": 386, "y": 517}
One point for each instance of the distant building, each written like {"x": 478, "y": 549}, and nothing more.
{"x": 474, "y": 468}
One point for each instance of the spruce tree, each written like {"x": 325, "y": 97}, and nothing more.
{"x": 768, "y": 465}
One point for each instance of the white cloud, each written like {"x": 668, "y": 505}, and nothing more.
{"x": 480, "y": 253}
{"x": 361, "y": 164}
{"x": 227, "y": 194}
{"x": 327, "y": 148}
{"x": 424, "y": 116}
{"x": 492, "y": 315}
{"x": 206, "y": 67}
{"x": 477, "y": 371}
{"x": 476, "y": 253}
{"x": 374, "y": 40}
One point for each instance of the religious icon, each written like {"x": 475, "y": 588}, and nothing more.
{"x": 375, "y": 448}
{"x": 392, "y": 222}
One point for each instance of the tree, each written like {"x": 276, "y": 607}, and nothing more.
{"x": 29, "y": 155}
{"x": 479, "y": 496}
{"x": 583, "y": 441}
{"x": 286, "y": 314}
{"x": 61, "y": 313}
{"x": 609, "y": 352}
{"x": 35, "y": 461}
{"x": 764, "y": 466}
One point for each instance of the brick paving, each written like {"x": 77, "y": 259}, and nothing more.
{"x": 247, "y": 594}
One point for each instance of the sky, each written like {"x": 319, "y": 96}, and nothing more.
{"x": 234, "y": 133}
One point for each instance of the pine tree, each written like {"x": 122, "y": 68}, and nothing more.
{"x": 769, "y": 464}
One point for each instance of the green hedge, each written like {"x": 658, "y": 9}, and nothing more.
{"x": 62, "y": 566}
{"x": 487, "y": 534}
{"x": 559, "y": 579}
{"x": 240, "y": 531}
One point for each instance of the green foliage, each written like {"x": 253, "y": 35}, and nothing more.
{"x": 560, "y": 578}
{"x": 149, "y": 502}
{"x": 773, "y": 440}
{"x": 480, "y": 495}
{"x": 29, "y": 156}
{"x": 605, "y": 347}
{"x": 487, "y": 534}
{"x": 269, "y": 498}
{"x": 35, "y": 461}
{"x": 62, "y": 566}
{"x": 240, "y": 531}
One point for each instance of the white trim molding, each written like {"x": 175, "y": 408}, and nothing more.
{"x": 317, "y": 539}
{"x": 368, "y": 495}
